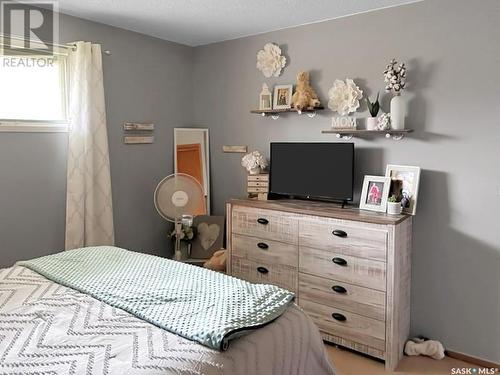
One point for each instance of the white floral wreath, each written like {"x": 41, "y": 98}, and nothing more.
{"x": 269, "y": 60}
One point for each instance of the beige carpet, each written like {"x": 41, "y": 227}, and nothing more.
{"x": 350, "y": 363}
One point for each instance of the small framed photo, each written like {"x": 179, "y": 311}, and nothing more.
{"x": 283, "y": 96}
{"x": 404, "y": 185}
{"x": 375, "y": 193}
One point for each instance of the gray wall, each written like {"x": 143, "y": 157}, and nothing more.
{"x": 452, "y": 52}
{"x": 145, "y": 79}
{"x": 453, "y": 59}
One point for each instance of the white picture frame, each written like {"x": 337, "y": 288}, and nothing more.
{"x": 282, "y": 97}
{"x": 375, "y": 193}
{"x": 410, "y": 180}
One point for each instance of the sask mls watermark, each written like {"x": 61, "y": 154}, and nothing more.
{"x": 29, "y": 27}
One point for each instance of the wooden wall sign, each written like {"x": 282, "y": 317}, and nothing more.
{"x": 138, "y": 139}
{"x": 138, "y": 126}
{"x": 235, "y": 149}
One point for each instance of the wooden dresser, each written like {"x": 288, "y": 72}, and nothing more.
{"x": 349, "y": 269}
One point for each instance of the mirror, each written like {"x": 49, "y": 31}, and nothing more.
{"x": 192, "y": 157}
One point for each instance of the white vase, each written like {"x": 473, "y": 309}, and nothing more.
{"x": 394, "y": 208}
{"x": 255, "y": 170}
{"x": 398, "y": 113}
{"x": 371, "y": 123}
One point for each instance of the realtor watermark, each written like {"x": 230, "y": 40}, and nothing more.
{"x": 474, "y": 371}
{"x": 29, "y": 27}
{"x": 27, "y": 62}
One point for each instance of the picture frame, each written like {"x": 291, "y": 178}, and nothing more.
{"x": 405, "y": 181}
{"x": 375, "y": 193}
{"x": 209, "y": 236}
{"x": 282, "y": 98}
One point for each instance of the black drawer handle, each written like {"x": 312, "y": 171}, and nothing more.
{"x": 262, "y": 221}
{"x": 339, "y": 317}
{"x": 262, "y": 270}
{"x": 340, "y": 261}
{"x": 339, "y": 289}
{"x": 339, "y": 233}
{"x": 262, "y": 245}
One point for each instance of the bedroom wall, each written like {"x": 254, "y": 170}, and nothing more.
{"x": 145, "y": 79}
{"x": 453, "y": 94}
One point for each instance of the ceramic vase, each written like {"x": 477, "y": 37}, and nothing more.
{"x": 394, "y": 208}
{"x": 398, "y": 112}
{"x": 371, "y": 123}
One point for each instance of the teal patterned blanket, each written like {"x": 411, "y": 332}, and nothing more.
{"x": 193, "y": 302}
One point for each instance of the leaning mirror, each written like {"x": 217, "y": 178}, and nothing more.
{"x": 192, "y": 157}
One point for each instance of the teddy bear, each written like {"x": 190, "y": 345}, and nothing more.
{"x": 217, "y": 262}
{"x": 305, "y": 97}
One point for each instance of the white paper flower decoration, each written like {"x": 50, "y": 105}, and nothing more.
{"x": 253, "y": 160}
{"x": 395, "y": 77}
{"x": 269, "y": 60}
{"x": 344, "y": 97}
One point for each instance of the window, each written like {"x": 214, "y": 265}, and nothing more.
{"x": 33, "y": 93}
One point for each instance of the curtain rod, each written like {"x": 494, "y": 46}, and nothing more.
{"x": 68, "y": 46}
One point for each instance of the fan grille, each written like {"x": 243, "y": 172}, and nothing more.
{"x": 177, "y": 195}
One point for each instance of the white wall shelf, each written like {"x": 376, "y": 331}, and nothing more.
{"x": 348, "y": 134}
{"x": 275, "y": 113}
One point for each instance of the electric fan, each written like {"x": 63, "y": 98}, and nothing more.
{"x": 178, "y": 198}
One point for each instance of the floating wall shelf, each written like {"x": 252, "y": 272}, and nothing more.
{"x": 275, "y": 113}
{"x": 349, "y": 133}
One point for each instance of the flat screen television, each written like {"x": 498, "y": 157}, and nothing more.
{"x": 322, "y": 171}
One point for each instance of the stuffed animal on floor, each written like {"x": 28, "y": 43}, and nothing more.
{"x": 305, "y": 97}
{"x": 217, "y": 262}
{"x": 430, "y": 348}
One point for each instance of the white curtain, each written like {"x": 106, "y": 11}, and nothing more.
{"x": 89, "y": 210}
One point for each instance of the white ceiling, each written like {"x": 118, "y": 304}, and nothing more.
{"x": 198, "y": 22}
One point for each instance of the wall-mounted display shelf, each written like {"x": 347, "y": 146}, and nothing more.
{"x": 275, "y": 113}
{"x": 349, "y": 133}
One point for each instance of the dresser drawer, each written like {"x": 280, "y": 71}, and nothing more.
{"x": 264, "y": 184}
{"x": 338, "y": 294}
{"x": 258, "y": 177}
{"x": 266, "y": 224}
{"x": 360, "y": 241}
{"x": 357, "y": 271}
{"x": 262, "y": 250}
{"x": 355, "y": 327}
{"x": 265, "y": 273}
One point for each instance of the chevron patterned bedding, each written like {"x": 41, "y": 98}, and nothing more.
{"x": 46, "y": 328}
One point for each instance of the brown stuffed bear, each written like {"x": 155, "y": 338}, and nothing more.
{"x": 305, "y": 97}
{"x": 217, "y": 262}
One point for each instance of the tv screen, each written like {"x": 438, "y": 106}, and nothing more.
{"x": 313, "y": 170}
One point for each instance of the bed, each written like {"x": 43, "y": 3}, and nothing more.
{"x": 49, "y": 328}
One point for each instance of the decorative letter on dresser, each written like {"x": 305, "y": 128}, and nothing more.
{"x": 349, "y": 269}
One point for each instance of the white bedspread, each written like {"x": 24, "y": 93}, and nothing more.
{"x": 46, "y": 328}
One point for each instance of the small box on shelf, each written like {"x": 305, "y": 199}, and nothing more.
{"x": 258, "y": 186}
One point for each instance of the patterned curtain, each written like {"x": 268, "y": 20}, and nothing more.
{"x": 89, "y": 210}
